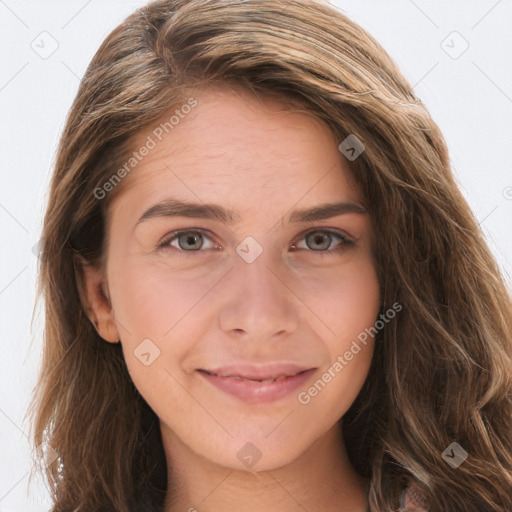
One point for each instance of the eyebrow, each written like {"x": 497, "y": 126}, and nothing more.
{"x": 174, "y": 207}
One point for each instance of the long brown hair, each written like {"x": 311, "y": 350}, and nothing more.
{"x": 442, "y": 373}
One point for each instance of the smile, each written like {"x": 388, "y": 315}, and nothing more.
{"x": 262, "y": 388}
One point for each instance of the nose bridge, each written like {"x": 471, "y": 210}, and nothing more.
{"x": 260, "y": 281}
{"x": 253, "y": 262}
{"x": 258, "y": 302}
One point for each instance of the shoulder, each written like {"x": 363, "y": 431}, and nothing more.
{"x": 412, "y": 499}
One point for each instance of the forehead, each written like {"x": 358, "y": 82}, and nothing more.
{"x": 232, "y": 140}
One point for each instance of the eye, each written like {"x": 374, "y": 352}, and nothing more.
{"x": 320, "y": 241}
{"x": 187, "y": 241}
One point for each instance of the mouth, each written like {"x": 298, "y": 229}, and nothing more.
{"x": 254, "y": 379}
{"x": 258, "y": 385}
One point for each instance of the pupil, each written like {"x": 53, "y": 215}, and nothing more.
{"x": 318, "y": 240}
{"x": 192, "y": 240}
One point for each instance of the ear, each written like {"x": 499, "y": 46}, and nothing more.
{"x": 99, "y": 308}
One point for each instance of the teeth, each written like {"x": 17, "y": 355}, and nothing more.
{"x": 264, "y": 381}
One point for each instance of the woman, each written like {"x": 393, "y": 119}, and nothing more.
{"x": 263, "y": 288}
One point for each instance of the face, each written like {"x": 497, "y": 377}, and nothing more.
{"x": 234, "y": 318}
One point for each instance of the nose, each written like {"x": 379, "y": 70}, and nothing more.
{"x": 258, "y": 302}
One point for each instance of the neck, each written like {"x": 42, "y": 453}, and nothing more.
{"x": 320, "y": 479}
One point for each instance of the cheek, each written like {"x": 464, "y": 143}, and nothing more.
{"x": 360, "y": 298}
{"x": 152, "y": 309}
{"x": 156, "y": 313}
{"x": 346, "y": 302}
{"x": 348, "y": 305}
{"x": 351, "y": 350}
{"x": 150, "y": 300}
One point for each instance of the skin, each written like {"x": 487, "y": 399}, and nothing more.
{"x": 208, "y": 307}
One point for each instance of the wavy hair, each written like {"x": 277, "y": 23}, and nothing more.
{"x": 441, "y": 373}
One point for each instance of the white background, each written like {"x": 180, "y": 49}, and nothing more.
{"x": 470, "y": 97}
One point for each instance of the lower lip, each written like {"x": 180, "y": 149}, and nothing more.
{"x": 253, "y": 392}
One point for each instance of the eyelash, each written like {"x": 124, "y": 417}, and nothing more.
{"x": 345, "y": 242}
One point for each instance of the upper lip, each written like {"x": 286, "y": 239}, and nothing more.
{"x": 263, "y": 372}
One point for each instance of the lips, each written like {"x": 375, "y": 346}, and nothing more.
{"x": 245, "y": 377}
{"x": 254, "y": 384}
{"x": 265, "y": 373}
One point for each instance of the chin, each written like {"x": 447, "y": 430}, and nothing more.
{"x": 255, "y": 451}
